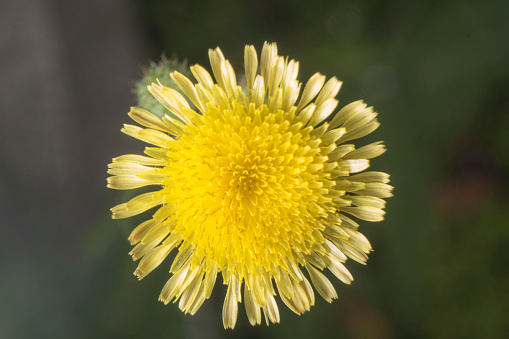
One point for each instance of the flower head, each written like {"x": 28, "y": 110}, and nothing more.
{"x": 255, "y": 186}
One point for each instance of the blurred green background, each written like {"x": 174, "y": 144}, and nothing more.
{"x": 436, "y": 71}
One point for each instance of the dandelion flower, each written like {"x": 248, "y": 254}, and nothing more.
{"x": 256, "y": 185}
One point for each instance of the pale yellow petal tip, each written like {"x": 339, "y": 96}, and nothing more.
{"x": 118, "y": 210}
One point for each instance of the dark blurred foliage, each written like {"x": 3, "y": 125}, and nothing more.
{"x": 438, "y": 74}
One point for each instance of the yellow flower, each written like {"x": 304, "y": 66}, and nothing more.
{"x": 256, "y": 186}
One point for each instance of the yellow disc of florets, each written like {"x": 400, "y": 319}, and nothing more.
{"x": 245, "y": 183}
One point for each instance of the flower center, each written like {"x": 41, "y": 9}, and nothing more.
{"x": 252, "y": 193}
{"x": 249, "y": 178}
